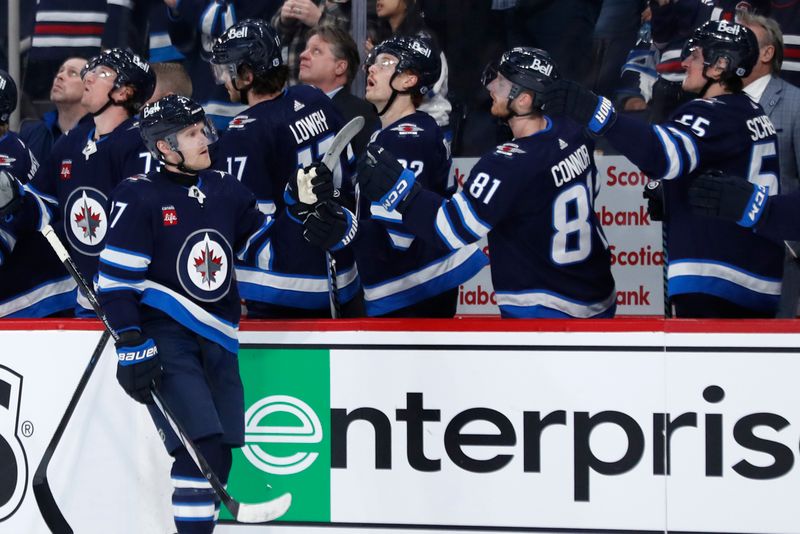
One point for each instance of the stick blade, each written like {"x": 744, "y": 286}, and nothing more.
{"x": 264, "y": 511}
{"x": 48, "y": 507}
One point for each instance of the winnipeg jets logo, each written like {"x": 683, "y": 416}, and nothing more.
{"x": 87, "y": 220}
{"x": 66, "y": 169}
{"x": 239, "y": 122}
{"x": 12, "y": 454}
{"x": 509, "y": 149}
{"x": 407, "y": 128}
{"x": 6, "y": 160}
{"x": 206, "y": 265}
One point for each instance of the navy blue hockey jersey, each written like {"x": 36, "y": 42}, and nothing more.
{"x": 396, "y": 269}
{"x": 33, "y": 282}
{"x": 172, "y": 248}
{"x": 534, "y": 198}
{"x": 732, "y": 134}
{"x": 70, "y": 189}
{"x": 264, "y": 147}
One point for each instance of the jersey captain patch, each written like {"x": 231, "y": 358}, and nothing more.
{"x": 204, "y": 265}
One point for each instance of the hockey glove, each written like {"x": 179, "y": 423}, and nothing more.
{"x": 654, "y": 194}
{"x": 565, "y": 97}
{"x": 138, "y": 365}
{"x": 10, "y": 193}
{"x": 728, "y": 197}
{"x": 312, "y": 185}
{"x": 384, "y": 180}
{"x": 331, "y": 227}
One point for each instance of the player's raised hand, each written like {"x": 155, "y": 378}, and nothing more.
{"x": 138, "y": 365}
{"x": 728, "y": 197}
{"x": 565, "y": 97}
{"x": 330, "y": 226}
{"x": 9, "y": 193}
{"x": 384, "y": 180}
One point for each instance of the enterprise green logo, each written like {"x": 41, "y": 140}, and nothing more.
{"x": 258, "y": 432}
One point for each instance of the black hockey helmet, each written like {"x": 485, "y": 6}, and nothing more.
{"x": 527, "y": 68}
{"x": 251, "y": 42}
{"x": 8, "y": 96}
{"x": 415, "y": 53}
{"x": 721, "y": 39}
{"x": 166, "y": 117}
{"x": 131, "y": 70}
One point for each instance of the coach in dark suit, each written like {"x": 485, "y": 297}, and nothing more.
{"x": 781, "y": 101}
{"x": 330, "y": 62}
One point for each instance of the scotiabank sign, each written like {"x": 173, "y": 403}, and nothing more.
{"x": 635, "y": 242}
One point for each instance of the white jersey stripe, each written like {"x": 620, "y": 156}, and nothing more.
{"x": 725, "y": 272}
{"x": 471, "y": 220}
{"x": 671, "y": 152}
{"x": 71, "y": 16}
{"x": 43, "y": 42}
{"x": 446, "y": 231}
{"x": 555, "y": 302}
{"x": 689, "y": 147}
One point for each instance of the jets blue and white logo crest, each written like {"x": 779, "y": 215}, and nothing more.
{"x": 204, "y": 265}
{"x": 86, "y": 221}
{"x": 508, "y": 149}
{"x": 13, "y": 461}
{"x": 407, "y": 128}
{"x": 239, "y": 122}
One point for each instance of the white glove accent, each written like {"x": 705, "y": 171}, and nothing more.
{"x": 305, "y": 193}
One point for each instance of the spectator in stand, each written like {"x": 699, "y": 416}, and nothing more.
{"x": 66, "y": 93}
{"x": 296, "y": 17}
{"x": 193, "y": 25}
{"x": 62, "y": 30}
{"x": 781, "y": 102}
{"x": 404, "y": 18}
{"x": 329, "y": 63}
{"x": 171, "y": 79}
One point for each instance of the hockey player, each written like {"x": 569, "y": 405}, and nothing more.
{"x": 404, "y": 276}
{"x": 71, "y": 188}
{"x": 716, "y": 269}
{"x": 532, "y": 197}
{"x": 283, "y": 129}
{"x": 166, "y": 282}
{"x": 34, "y": 283}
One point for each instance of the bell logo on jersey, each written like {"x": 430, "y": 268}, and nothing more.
{"x": 239, "y": 122}
{"x": 205, "y": 265}
{"x": 66, "y": 169}
{"x": 6, "y": 160}
{"x": 508, "y": 149}
{"x": 417, "y": 46}
{"x": 408, "y": 128}
{"x": 169, "y": 215}
{"x": 12, "y": 456}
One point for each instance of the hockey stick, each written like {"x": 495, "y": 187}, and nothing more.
{"x": 337, "y": 146}
{"x": 41, "y": 486}
{"x": 242, "y": 512}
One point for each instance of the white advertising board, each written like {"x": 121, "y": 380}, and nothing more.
{"x": 468, "y": 430}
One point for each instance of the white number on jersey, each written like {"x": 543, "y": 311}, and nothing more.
{"x": 478, "y": 186}
{"x": 755, "y": 174}
{"x": 241, "y": 161}
{"x": 569, "y": 221}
